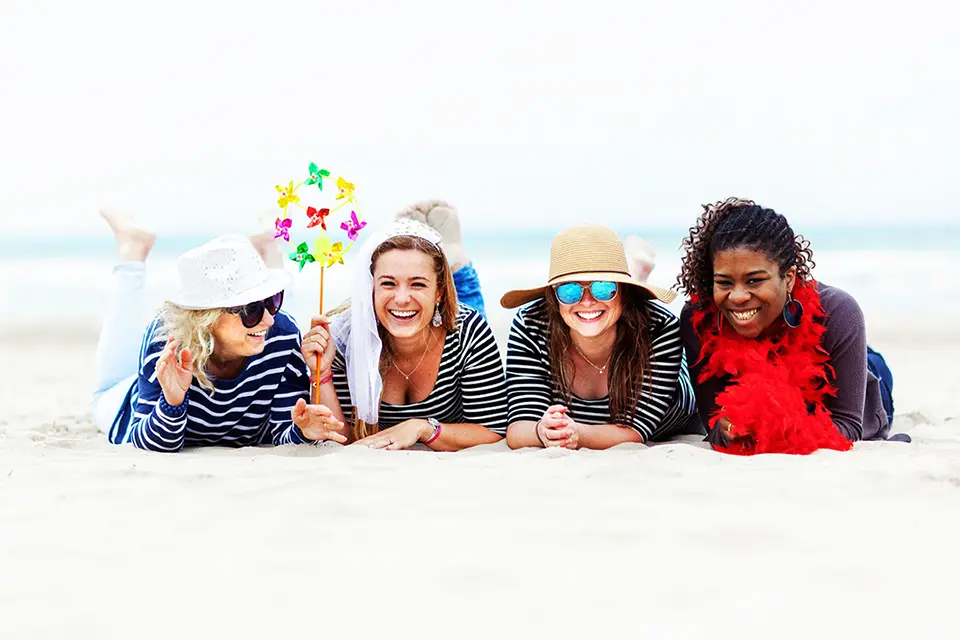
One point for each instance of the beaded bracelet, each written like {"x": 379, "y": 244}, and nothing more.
{"x": 171, "y": 411}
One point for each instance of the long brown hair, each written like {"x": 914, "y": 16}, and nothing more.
{"x": 448, "y": 304}
{"x": 629, "y": 362}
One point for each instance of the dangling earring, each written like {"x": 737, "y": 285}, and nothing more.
{"x": 719, "y": 322}
{"x": 792, "y": 312}
{"x": 437, "y": 320}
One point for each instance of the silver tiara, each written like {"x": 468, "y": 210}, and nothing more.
{"x": 410, "y": 227}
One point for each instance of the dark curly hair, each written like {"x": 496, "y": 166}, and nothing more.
{"x": 739, "y": 224}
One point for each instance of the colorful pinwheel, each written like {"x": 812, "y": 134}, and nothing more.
{"x": 346, "y": 190}
{"x": 302, "y": 255}
{"x": 317, "y": 217}
{"x": 316, "y": 176}
{"x": 283, "y": 228}
{"x": 288, "y": 196}
{"x": 326, "y": 252}
{"x": 329, "y": 252}
{"x": 352, "y": 226}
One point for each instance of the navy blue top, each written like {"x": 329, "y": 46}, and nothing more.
{"x": 252, "y": 409}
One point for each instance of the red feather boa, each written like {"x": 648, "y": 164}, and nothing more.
{"x": 778, "y": 384}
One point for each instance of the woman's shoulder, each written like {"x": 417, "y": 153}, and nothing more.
{"x": 532, "y": 316}
{"x": 836, "y": 301}
{"x": 470, "y": 322}
{"x": 284, "y": 324}
{"x": 844, "y": 317}
{"x": 284, "y": 335}
{"x": 661, "y": 318}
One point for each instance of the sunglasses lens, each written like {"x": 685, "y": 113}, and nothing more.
{"x": 252, "y": 314}
{"x": 273, "y": 303}
{"x": 603, "y": 291}
{"x": 569, "y": 293}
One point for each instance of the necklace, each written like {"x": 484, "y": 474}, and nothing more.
{"x": 407, "y": 375}
{"x": 599, "y": 369}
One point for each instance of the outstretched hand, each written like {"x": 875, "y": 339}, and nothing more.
{"x": 174, "y": 374}
{"x": 317, "y": 422}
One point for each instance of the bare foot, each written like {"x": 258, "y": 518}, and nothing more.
{"x": 269, "y": 247}
{"x": 443, "y": 217}
{"x": 641, "y": 257}
{"x": 133, "y": 243}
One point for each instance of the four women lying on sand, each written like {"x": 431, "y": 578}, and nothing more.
{"x": 774, "y": 361}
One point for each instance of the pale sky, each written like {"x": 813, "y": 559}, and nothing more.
{"x": 628, "y": 113}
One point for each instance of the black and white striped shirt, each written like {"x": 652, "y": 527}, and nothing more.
{"x": 470, "y": 384}
{"x": 252, "y": 409}
{"x": 665, "y": 405}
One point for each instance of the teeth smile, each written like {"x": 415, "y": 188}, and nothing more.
{"x": 744, "y": 316}
{"x": 403, "y": 314}
{"x": 589, "y": 315}
{"x": 259, "y": 334}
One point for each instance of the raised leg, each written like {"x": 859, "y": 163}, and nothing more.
{"x": 118, "y": 349}
{"x": 444, "y": 217}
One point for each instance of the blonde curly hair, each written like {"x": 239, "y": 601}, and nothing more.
{"x": 193, "y": 330}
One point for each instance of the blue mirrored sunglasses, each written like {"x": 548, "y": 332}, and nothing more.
{"x": 572, "y": 292}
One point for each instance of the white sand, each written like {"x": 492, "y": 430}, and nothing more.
{"x": 668, "y": 541}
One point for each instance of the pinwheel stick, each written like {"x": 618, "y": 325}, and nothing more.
{"x": 316, "y": 388}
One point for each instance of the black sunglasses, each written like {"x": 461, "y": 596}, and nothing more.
{"x": 251, "y": 314}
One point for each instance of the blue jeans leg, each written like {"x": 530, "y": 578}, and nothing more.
{"x": 468, "y": 288}
{"x": 878, "y": 367}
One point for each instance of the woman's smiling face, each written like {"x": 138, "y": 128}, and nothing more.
{"x": 749, "y": 291}
{"x": 233, "y": 340}
{"x": 405, "y": 291}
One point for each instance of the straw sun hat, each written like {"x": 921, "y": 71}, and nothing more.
{"x": 585, "y": 253}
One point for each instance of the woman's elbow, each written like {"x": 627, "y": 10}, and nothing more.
{"x": 514, "y": 439}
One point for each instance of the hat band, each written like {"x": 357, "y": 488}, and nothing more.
{"x": 585, "y": 271}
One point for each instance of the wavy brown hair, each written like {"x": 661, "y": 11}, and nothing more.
{"x": 629, "y": 362}
{"x": 736, "y": 223}
{"x": 447, "y": 303}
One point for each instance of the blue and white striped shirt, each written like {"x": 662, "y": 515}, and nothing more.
{"x": 252, "y": 409}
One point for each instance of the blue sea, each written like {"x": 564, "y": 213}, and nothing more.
{"x": 892, "y": 270}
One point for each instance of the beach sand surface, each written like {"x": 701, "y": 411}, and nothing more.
{"x": 672, "y": 540}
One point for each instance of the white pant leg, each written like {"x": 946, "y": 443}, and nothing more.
{"x": 118, "y": 350}
{"x": 108, "y": 403}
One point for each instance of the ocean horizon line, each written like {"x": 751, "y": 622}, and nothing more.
{"x": 920, "y": 236}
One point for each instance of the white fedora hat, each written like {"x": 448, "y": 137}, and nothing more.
{"x": 225, "y": 272}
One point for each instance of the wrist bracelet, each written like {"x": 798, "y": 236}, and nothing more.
{"x": 324, "y": 380}
{"x": 437, "y": 428}
{"x": 536, "y": 430}
{"x": 171, "y": 411}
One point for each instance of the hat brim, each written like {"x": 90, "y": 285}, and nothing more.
{"x": 276, "y": 281}
{"x": 519, "y": 297}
